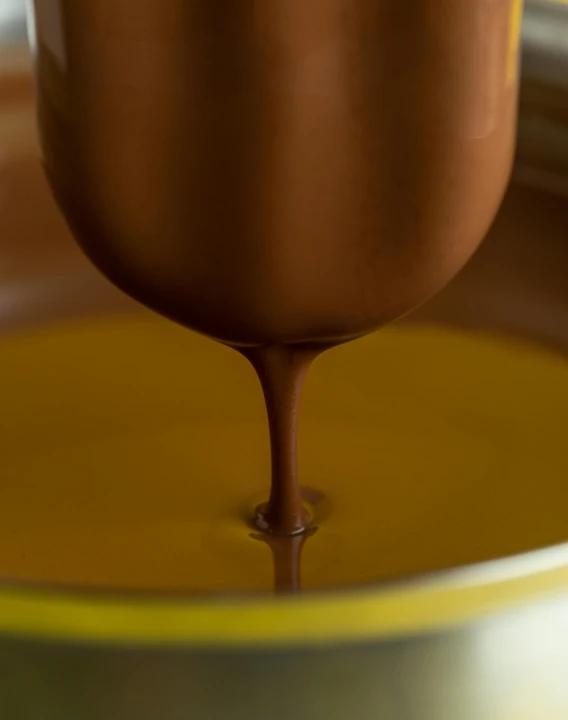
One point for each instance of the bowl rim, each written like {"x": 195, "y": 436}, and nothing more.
{"x": 423, "y": 604}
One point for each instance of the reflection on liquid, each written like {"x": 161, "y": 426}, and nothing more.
{"x": 287, "y": 550}
{"x": 286, "y": 556}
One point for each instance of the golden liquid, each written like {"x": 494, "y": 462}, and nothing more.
{"x": 131, "y": 448}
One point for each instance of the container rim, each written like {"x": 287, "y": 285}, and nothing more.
{"x": 424, "y": 604}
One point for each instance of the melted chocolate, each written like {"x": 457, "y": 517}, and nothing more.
{"x": 281, "y": 370}
{"x": 278, "y": 175}
{"x": 286, "y": 559}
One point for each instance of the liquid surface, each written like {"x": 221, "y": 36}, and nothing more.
{"x": 131, "y": 449}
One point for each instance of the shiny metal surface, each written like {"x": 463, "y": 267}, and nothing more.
{"x": 542, "y": 153}
{"x": 510, "y": 667}
{"x": 12, "y": 21}
{"x": 545, "y": 41}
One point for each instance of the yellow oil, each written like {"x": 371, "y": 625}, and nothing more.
{"x": 130, "y": 448}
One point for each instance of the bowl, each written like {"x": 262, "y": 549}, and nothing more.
{"x": 476, "y": 627}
